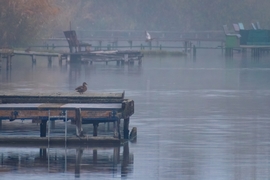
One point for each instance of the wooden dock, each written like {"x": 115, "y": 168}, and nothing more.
{"x": 88, "y": 108}
{"x": 118, "y": 56}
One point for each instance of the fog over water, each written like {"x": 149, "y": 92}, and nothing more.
{"x": 197, "y": 119}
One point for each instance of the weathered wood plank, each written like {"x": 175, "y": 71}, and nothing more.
{"x": 34, "y": 114}
{"x": 87, "y": 97}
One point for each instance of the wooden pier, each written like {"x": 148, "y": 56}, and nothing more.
{"x": 118, "y": 56}
{"x": 89, "y": 108}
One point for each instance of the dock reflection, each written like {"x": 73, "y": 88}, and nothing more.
{"x": 113, "y": 161}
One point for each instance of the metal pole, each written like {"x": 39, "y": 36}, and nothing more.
{"x": 65, "y": 126}
{"x": 49, "y": 125}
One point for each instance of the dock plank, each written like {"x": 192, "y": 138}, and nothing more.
{"x": 64, "y": 98}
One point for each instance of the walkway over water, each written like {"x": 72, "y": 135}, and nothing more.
{"x": 88, "y": 108}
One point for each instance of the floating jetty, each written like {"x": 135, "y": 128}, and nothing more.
{"x": 88, "y": 108}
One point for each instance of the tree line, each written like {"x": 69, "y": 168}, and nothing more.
{"x": 24, "y": 21}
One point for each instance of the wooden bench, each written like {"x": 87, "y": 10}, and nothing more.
{"x": 73, "y": 42}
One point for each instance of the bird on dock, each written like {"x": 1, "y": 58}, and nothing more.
{"x": 28, "y": 49}
{"x": 148, "y": 36}
{"x": 82, "y": 89}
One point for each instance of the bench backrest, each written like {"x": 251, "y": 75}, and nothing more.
{"x": 71, "y": 38}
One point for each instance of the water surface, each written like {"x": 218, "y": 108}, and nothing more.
{"x": 197, "y": 119}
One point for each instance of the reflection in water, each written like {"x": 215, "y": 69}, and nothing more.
{"x": 203, "y": 119}
{"x": 82, "y": 160}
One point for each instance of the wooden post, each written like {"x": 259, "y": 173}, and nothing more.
{"x": 100, "y": 44}
{"x": 79, "y": 153}
{"x": 194, "y": 51}
{"x": 126, "y": 130}
{"x": 33, "y": 59}
{"x": 60, "y": 60}
{"x": 0, "y": 124}
{"x": 49, "y": 59}
{"x": 43, "y": 127}
{"x": 130, "y": 44}
{"x": 95, "y": 125}
{"x": 78, "y": 120}
{"x": 116, "y": 125}
{"x": 185, "y": 46}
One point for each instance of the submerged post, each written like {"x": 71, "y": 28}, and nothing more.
{"x": 126, "y": 130}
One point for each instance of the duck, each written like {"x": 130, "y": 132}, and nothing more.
{"x": 28, "y": 49}
{"x": 82, "y": 89}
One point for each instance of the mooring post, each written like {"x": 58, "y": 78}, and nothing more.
{"x": 49, "y": 59}
{"x": 222, "y": 46}
{"x": 194, "y": 51}
{"x": 130, "y": 44}
{"x": 43, "y": 127}
{"x": 116, "y": 125}
{"x": 100, "y": 44}
{"x": 60, "y": 59}
{"x": 33, "y": 59}
{"x": 78, "y": 120}
{"x": 185, "y": 46}
{"x": 95, "y": 125}
{"x": 126, "y": 130}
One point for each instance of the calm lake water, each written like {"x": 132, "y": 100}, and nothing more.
{"x": 197, "y": 119}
